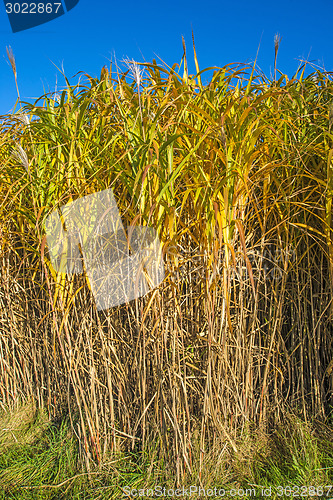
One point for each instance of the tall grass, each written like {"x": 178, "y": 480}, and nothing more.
{"x": 236, "y": 176}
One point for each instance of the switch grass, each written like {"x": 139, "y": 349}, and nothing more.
{"x": 236, "y": 176}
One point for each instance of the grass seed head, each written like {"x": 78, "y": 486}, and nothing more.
{"x": 135, "y": 70}
{"x": 21, "y": 155}
{"x": 11, "y": 58}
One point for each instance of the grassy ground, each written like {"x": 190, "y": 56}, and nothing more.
{"x": 40, "y": 460}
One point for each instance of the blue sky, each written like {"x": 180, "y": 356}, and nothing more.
{"x": 88, "y": 36}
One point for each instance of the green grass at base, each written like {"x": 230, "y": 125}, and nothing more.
{"x": 41, "y": 460}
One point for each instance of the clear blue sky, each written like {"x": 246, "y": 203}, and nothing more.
{"x": 86, "y": 37}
